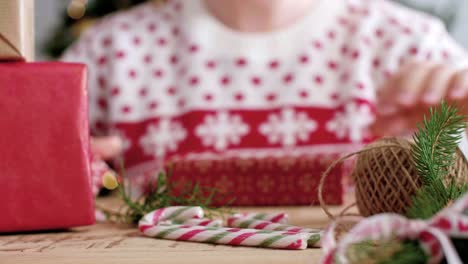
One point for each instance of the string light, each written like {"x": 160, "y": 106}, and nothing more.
{"x": 77, "y": 8}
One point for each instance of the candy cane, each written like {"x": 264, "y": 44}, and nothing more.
{"x": 314, "y": 234}
{"x": 201, "y": 222}
{"x": 227, "y": 236}
{"x": 281, "y": 218}
{"x": 173, "y": 213}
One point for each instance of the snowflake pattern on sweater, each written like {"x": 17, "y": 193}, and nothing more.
{"x": 162, "y": 138}
{"x": 288, "y": 127}
{"x": 351, "y": 122}
{"x": 221, "y": 130}
{"x": 176, "y": 83}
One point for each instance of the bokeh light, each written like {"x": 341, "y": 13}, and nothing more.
{"x": 77, "y": 8}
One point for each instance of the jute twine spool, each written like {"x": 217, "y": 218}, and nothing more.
{"x": 386, "y": 177}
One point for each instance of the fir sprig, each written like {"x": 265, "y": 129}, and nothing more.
{"x": 161, "y": 193}
{"x": 434, "y": 150}
{"x": 391, "y": 251}
{"x": 410, "y": 252}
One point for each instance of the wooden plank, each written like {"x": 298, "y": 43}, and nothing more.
{"x": 112, "y": 243}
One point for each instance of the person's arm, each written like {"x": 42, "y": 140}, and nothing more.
{"x": 431, "y": 67}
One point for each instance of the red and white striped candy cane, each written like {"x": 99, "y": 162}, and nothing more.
{"x": 201, "y": 222}
{"x": 281, "y": 218}
{"x": 314, "y": 234}
{"x": 266, "y": 225}
{"x": 173, "y": 213}
{"x": 433, "y": 234}
{"x": 227, "y": 236}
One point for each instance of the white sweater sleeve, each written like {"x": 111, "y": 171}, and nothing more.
{"x": 408, "y": 35}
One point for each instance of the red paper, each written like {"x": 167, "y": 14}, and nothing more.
{"x": 44, "y": 147}
{"x": 265, "y": 181}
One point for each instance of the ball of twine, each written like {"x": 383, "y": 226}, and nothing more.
{"x": 386, "y": 177}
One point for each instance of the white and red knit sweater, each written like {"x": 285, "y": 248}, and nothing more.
{"x": 176, "y": 84}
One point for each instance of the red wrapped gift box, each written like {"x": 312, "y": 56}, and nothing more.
{"x": 44, "y": 147}
{"x": 262, "y": 181}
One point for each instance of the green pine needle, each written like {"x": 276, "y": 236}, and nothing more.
{"x": 391, "y": 251}
{"x": 161, "y": 195}
{"x": 434, "y": 150}
{"x": 411, "y": 252}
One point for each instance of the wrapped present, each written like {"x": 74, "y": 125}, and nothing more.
{"x": 262, "y": 181}
{"x": 44, "y": 139}
{"x": 16, "y": 30}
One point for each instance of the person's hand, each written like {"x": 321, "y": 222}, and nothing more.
{"x": 106, "y": 148}
{"x": 407, "y": 96}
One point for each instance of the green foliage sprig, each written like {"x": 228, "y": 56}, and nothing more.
{"x": 392, "y": 251}
{"x": 434, "y": 150}
{"x": 162, "y": 194}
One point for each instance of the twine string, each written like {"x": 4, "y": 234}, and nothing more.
{"x": 333, "y": 165}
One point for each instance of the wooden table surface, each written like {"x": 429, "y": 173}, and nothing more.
{"x": 112, "y": 243}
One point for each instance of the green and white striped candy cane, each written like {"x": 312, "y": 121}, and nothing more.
{"x": 281, "y": 218}
{"x": 227, "y": 236}
{"x": 174, "y": 213}
{"x": 314, "y": 234}
{"x": 200, "y": 222}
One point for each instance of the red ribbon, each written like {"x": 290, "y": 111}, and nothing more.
{"x": 433, "y": 235}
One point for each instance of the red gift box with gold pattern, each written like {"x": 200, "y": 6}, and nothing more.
{"x": 44, "y": 147}
{"x": 263, "y": 181}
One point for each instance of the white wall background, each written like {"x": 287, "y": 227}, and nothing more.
{"x": 460, "y": 30}
{"x": 49, "y": 16}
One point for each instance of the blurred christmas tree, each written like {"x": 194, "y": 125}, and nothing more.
{"x": 79, "y": 15}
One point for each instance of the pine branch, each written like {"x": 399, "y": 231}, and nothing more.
{"x": 434, "y": 154}
{"x": 427, "y": 203}
{"x": 411, "y": 252}
{"x": 160, "y": 195}
{"x": 434, "y": 149}
{"x": 436, "y": 142}
{"x": 392, "y": 251}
